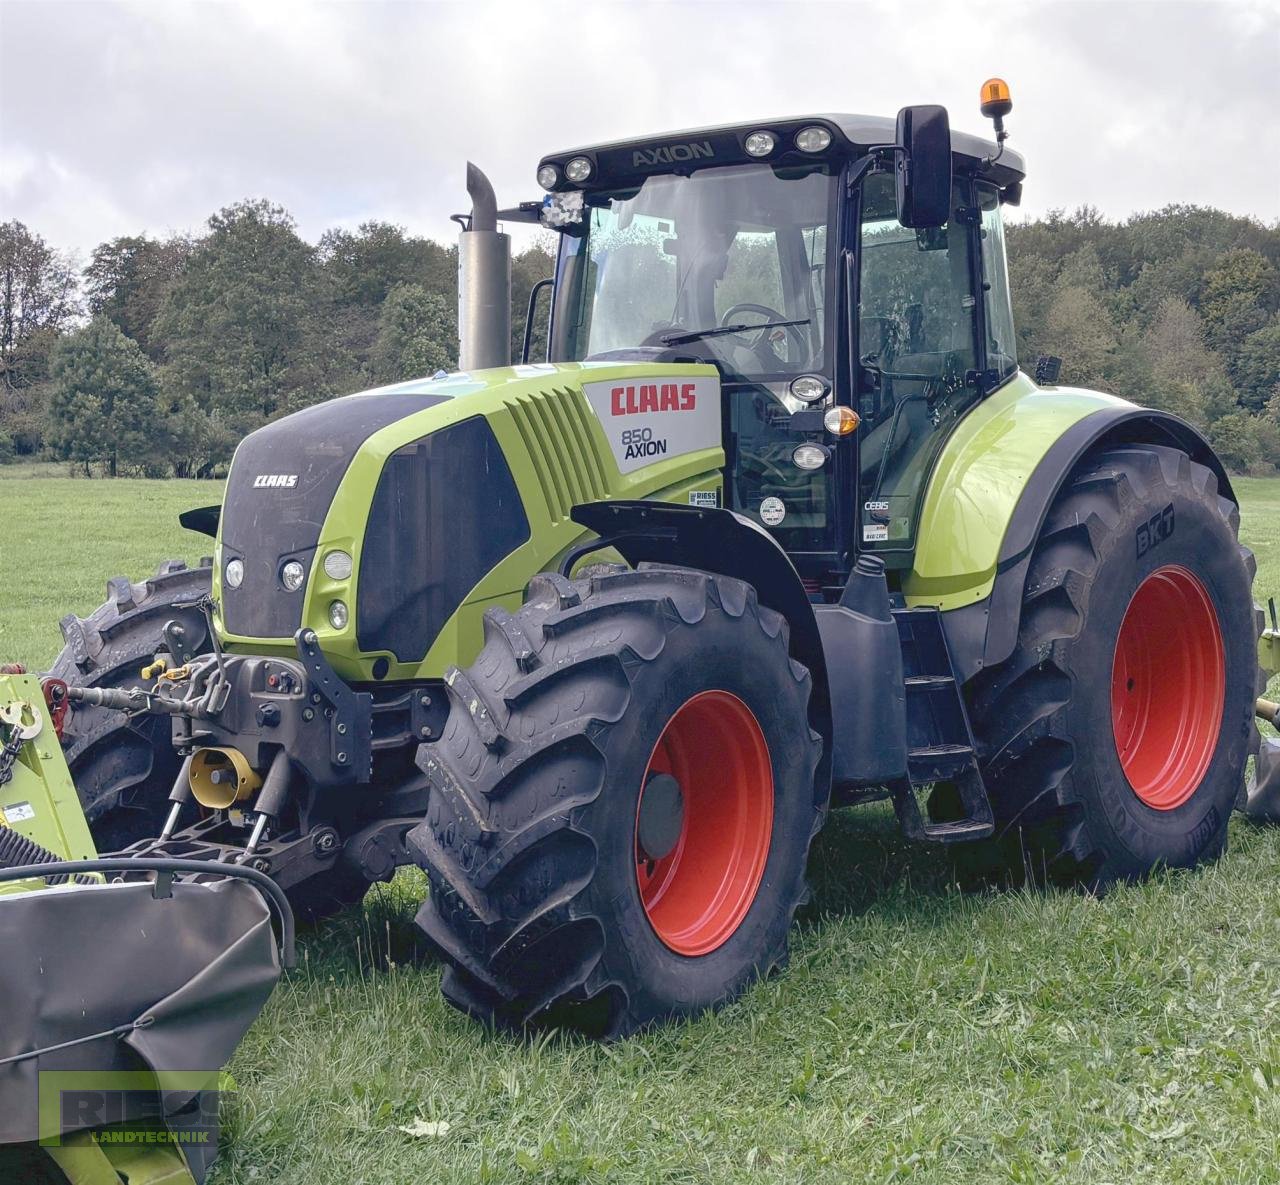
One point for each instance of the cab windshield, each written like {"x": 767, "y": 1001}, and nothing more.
{"x": 729, "y": 264}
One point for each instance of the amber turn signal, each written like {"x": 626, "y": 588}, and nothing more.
{"x": 841, "y": 420}
{"x": 995, "y": 98}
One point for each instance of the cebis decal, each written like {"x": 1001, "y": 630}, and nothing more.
{"x": 652, "y": 420}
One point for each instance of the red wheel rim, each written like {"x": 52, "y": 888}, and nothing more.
{"x": 1168, "y": 684}
{"x": 697, "y": 895}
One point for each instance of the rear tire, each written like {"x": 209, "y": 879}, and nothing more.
{"x": 124, "y": 767}
{"x": 541, "y": 897}
{"x": 1114, "y": 738}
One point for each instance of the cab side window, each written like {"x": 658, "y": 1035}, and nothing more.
{"x": 915, "y": 301}
{"x": 1002, "y": 352}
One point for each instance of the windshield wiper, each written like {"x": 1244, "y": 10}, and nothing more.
{"x": 679, "y": 339}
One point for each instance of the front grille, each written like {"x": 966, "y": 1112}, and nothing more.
{"x": 282, "y": 482}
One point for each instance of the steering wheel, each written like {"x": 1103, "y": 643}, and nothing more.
{"x": 759, "y": 340}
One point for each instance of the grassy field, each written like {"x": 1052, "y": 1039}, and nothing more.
{"x": 921, "y": 1032}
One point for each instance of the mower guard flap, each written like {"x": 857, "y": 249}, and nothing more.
{"x": 166, "y": 983}
{"x": 1264, "y": 791}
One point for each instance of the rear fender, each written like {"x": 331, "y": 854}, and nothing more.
{"x": 992, "y": 490}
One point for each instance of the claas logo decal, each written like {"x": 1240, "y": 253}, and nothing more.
{"x": 630, "y": 401}
{"x": 656, "y": 420}
{"x": 635, "y": 400}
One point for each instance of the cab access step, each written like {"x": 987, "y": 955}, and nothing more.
{"x": 900, "y": 720}
{"x": 940, "y": 746}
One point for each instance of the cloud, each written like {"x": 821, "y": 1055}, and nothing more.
{"x": 119, "y": 117}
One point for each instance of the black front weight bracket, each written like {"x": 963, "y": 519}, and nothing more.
{"x": 351, "y": 722}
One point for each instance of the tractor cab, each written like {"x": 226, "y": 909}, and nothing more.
{"x": 846, "y": 275}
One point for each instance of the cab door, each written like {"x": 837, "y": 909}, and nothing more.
{"x": 918, "y": 370}
{"x": 783, "y": 270}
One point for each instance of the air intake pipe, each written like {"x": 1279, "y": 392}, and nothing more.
{"x": 484, "y": 281}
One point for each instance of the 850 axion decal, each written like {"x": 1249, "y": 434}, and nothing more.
{"x": 655, "y": 420}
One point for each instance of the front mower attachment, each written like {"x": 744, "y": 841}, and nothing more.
{"x": 126, "y": 981}
{"x": 40, "y": 814}
{"x": 123, "y": 1000}
{"x": 1263, "y": 804}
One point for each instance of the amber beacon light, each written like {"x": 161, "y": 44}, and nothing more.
{"x": 996, "y": 104}
{"x": 996, "y": 100}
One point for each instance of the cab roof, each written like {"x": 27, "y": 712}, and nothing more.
{"x": 681, "y": 151}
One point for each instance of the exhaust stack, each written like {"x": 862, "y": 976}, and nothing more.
{"x": 484, "y": 281}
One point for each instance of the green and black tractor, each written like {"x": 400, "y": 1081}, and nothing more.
{"x": 779, "y": 524}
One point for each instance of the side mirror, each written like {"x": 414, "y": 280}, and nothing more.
{"x": 924, "y": 167}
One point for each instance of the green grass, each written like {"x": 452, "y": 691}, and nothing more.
{"x": 62, "y": 538}
{"x": 921, "y": 1032}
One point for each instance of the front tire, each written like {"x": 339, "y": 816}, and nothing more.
{"x": 124, "y": 766}
{"x": 656, "y": 709}
{"x": 1114, "y": 738}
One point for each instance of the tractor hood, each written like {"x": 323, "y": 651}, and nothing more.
{"x": 413, "y": 507}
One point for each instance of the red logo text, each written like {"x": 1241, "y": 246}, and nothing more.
{"x": 629, "y": 401}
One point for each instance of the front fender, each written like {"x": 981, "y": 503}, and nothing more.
{"x": 731, "y": 545}
{"x": 991, "y": 489}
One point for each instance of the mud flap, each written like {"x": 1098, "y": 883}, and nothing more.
{"x": 1263, "y": 805}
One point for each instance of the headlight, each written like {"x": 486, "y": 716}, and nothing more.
{"x": 813, "y": 139}
{"x": 233, "y": 576}
{"x": 841, "y": 420}
{"x": 578, "y": 169}
{"x": 548, "y": 175}
{"x": 338, "y": 615}
{"x": 760, "y": 143}
{"x": 337, "y": 565}
{"x": 809, "y": 456}
{"x": 808, "y": 388}
{"x": 292, "y": 575}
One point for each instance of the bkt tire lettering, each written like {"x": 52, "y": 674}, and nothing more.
{"x": 1155, "y": 530}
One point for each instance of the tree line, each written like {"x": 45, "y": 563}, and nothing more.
{"x": 1177, "y": 309}
{"x": 158, "y": 355}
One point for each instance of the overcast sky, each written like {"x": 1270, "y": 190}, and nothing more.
{"x": 122, "y": 117}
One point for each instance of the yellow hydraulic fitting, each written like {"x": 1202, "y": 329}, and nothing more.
{"x": 153, "y": 669}
{"x": 221, "y": 777}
